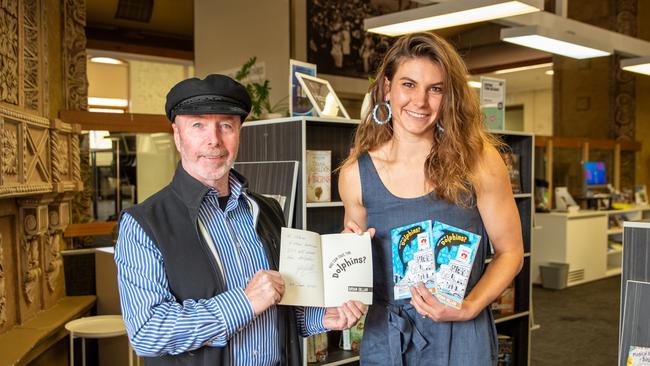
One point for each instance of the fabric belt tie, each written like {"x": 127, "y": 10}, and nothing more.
{"x": 401, "y": 333}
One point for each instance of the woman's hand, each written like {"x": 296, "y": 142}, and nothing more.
{"x": 353, "y": 227}
{"x": 428, "y": 306}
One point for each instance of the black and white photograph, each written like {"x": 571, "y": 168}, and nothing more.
{"x": 336, "y": 40}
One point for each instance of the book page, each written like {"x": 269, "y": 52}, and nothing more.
{"x": 301, "y": 268}
{"x": 347, "y": 268}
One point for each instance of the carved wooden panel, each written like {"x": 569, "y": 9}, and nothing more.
{"x": 58, "y": 220}
{"x": 8, "y": 296}
{"x": 74, "y": 55}
{"x": 9, "y": 73}
{"x": 23, "y": 54}
{"x": 25, "y": 154}
{"x": 34, "y": 221}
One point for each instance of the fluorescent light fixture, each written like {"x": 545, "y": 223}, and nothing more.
{"x": 106, "y": 110}
{"x": 106, "y": 60}
{"x": 107, "y": 102}
{"x": 640, "y": 65}
{"x": 549, "y": 72}
{"x": 523, "y": 68}
{"x": 448, "y": 14}
{"x": 561, "y": 43}
{"x": 474, "y": 84}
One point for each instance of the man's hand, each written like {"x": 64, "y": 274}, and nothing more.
{"x": 264, "y": 290}
{"x": 344, "y": 316}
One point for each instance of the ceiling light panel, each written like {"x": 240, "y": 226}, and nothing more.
{"x": 639, "y": 65}
{"x": 448, "y": 14}
{"x": 560, "y": 43}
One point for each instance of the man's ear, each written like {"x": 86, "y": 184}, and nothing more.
{"x": 177, "y": 136}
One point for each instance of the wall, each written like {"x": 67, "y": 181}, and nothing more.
{"x": 538, "y": 110}
{"x": 108, "y": 80}
{"x": 228, "y": 32}
{"x": 156, "y": 154}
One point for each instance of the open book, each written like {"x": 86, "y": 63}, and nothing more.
{"x": 325, "y": 270}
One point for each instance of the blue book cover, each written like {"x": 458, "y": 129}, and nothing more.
{"x": 413, "y": 258}
{"x": 455, "y": 250}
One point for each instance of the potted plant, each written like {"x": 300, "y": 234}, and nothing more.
{"x": 260, "y": 104}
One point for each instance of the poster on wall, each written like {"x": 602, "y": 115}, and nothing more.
{"x": 493, "y": 102}
{"x": 336, "y": 41}
{"x": 299, "y": 104}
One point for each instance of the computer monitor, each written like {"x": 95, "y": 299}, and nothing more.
{"x": 595, "y": 174}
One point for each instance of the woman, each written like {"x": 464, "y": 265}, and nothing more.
{"x": 423, "y": 154}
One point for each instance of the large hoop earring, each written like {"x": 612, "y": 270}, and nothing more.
{"x": 374, "y": 113}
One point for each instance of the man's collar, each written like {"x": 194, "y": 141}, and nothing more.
{"x": 191, "y": 191}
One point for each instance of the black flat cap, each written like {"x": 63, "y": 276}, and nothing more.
{"x": 216, "y": 94}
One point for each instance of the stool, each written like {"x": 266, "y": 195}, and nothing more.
{"x": 100, "y": 326}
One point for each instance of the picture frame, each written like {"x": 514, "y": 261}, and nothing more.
{"x": 299, "y": 103}
{"x": 322, "y": 97}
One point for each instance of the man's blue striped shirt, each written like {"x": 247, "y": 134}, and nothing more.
{"x": 157, "y": 324}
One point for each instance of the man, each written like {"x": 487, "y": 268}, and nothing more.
{"x": 197, "y": 262}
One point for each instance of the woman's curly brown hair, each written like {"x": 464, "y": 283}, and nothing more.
{"x": 459, "y": 144}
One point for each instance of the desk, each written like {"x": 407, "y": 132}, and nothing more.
{"x": 581, "y": 240}
{"x": 100, "y": 326}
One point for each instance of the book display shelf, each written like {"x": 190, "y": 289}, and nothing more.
{"x": 516, "y": 325}
{"x": 288, "y": 139}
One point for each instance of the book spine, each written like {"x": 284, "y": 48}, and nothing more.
{"x": 319, "y": 176}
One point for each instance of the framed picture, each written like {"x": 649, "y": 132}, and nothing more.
{"x": 322, "y": 96}
{"x": 299, "y": 104}
{"x": 274, "y": 179}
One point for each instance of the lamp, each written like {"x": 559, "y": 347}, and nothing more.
{"x": 565, "y": 43}
{"x": 448, "y": 14}
{"x": 640, "y": 65}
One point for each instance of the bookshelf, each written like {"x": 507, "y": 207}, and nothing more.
{"x": 287, "y": 139}
{"x": 517, "y": 325}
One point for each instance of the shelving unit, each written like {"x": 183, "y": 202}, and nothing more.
{"x": 288, "y": 138}
{"x": 285, "y": 139}
{"x": 518, "y": 325}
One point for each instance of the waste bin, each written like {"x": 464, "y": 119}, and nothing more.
{"x": 554, "y": 275}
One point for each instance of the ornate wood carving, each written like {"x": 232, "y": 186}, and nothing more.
{"x": 31, "y": 53}
{"x": 9, "y": 52}
{"x": 33, "y": 219}
{"x": 74, "y": 55}
{"x": 3, "y": 294}
{"x": 23, "y": 54}
{"x": 9, "y": 152}
{"x": 53, "y": 261}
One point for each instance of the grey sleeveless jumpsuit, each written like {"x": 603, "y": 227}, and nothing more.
{"x": 395, "y": 334}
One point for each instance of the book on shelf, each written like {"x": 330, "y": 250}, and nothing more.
{"x": 319, "y": 175}
{"x": 505, "y": 303}
{"x": 351, "y": 338}
{"x": 439, "y": 255}
{"x": 317, "y": 347}
{"x": 512, "y": 163}
{"x": 505, "y": 350}
{"x": 325, "y": 270}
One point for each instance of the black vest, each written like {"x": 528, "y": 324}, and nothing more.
{"x": 170, "y": 219}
